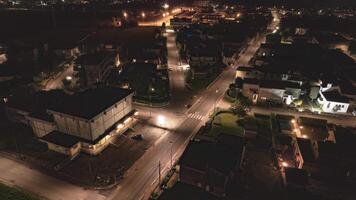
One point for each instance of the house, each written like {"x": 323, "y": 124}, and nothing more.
{"x": 186, "y": 191}
{"x": 212, "y": 165}
{"x": 85, "y": 121}
{"x": 95, "y": 67}
{"x": 247, "y": 72}
{"x": 331, "y": 101}
{"x": 308, "y": 149}
{"x": 313, "y": 128}
{"x": 284, "y": 124}
{"x": 270, "y": 90}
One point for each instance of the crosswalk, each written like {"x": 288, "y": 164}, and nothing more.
{"x": 196, "y": 116}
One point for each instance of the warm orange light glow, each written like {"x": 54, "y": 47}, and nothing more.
{"x": 285, "y": 164}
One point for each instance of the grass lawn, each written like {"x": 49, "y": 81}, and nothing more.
{"x": 9, "y": 193}
{"x": 225, "y": 123}
{"x": 199, "y": 83}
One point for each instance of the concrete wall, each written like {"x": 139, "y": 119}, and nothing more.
{"x": 332, "y": 107}
{"x": 108, "y": 118}
{"x": 93, "y": 128}
{"x": 63, "y": 150}
{"x": 335, "y": 107}
{"x": 73, "y": 125}
{"x": 40, "y": 127}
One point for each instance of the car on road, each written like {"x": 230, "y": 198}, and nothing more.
{"x": 137, "y": 137}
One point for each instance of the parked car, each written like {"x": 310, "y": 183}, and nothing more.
{"x": 137, "y": 137}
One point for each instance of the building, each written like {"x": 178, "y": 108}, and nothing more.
{"x": 212, "y": 165}
{"x": 186, "y": 191}
{"x": 95, "y": 67}
{"x": 315, "y": 129}
{"x": 271, "y": 90}
{"x": 85, "y": 121}
{"x": 247, "y": 72}
{"x": 331, "y": 101}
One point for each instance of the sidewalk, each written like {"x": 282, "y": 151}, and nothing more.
{"x": 40, "y": 184}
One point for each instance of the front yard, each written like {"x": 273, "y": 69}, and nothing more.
{"x": 226, "y": 123}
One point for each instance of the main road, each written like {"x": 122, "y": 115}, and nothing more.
{"x": 180, "y": 126}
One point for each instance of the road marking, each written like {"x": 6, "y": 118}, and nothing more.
{"x": 196, "y": 116}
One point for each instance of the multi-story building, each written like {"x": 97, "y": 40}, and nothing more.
{"x": 85, "y": 121}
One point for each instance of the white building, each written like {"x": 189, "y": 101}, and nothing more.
{"x": 269, "y": 90}
{"x": 331, "y": 101}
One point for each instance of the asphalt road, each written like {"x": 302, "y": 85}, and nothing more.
{"x": 143, "y": 176}
{"x": 56, "y": 82}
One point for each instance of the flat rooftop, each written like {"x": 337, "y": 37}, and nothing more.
{"x": 91, "y": 102}
{"x": 61, "y": 139}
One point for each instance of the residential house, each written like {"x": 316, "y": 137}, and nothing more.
{"x": 331, "y": 101}
{"x": 212, "y": 165}
{"x": 95, "y": 67}
{"x": 247, "y": 72}
{"x": 270, "y": 90}
{"x": 313, "y": 128}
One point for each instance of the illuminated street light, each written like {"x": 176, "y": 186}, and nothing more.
{"x": 165, "y": 6}
{"x": 143, "y": 15}
{"x": 69, "y": 78}
{"x": 125, "y": 14}
{"x": 161, "y": 120}
{"x": 238, "y": 15}
{"x": 293, "y": 121}
{"x": 284, "y": 164}
{"x": 164, "y": 14}
{"x": 301, "y": 127}
{"x": 305, "y": 136}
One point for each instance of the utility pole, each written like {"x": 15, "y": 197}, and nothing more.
{"x": 159, "y": 173}
{"x": 216, "y": 91}
{"x": 171, "y": 154}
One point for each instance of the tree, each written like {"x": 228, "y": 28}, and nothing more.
{"x": 314, "y": 92}
{"x": 241, "y": 104}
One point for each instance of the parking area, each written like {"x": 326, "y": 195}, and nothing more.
{"x": 110, "y": 165}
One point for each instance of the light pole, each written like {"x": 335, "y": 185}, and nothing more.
{"x": 150, "y": 98}
{"x": 171, "y": 154}
{"x": 215, "y": 102}
{"x": 159, "y": 173}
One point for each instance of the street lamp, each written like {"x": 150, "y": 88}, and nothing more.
{"x": 161, "y": 120}
{"x": 216, "y": 92}
{"x": 150, "y": 97}
{"x": 125, "y": 14}
{"x": 285, "y": 164}
{"x": 68, "y": 78}
{"x": 171, "y": 153}
{"x": 165, "y": 6}
{"x": 143, "y": 15}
